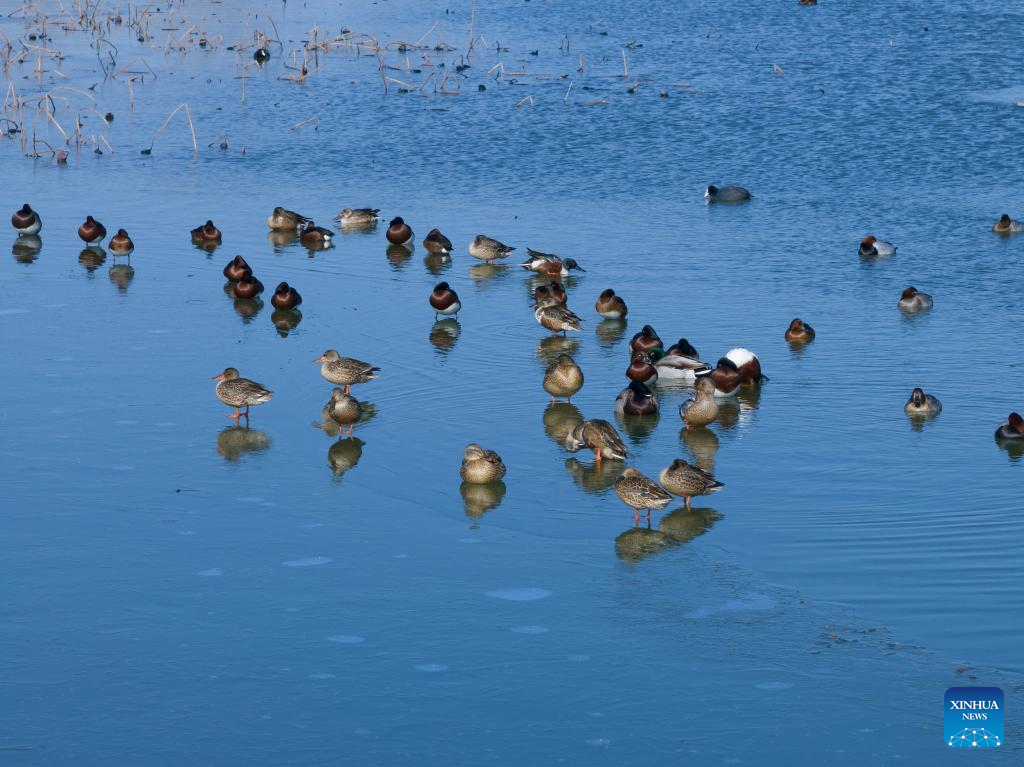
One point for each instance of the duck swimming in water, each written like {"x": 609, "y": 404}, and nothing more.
{"x": 285, "y": 297}
{"x": 636, "y": 399}
{"x": 922, "y": 404}
{"x": 92, "y": 232}
{"x": 399, "y": 232}
{"x": 314, "y": 235}
{"x": 444, "y": 300}
{"x": 236, "y": 269}
{"x": 550, "y": 264}
{"x": 247, "y": 287}
{"x": 799, "y": 332}
{"x": 871, "y": 246}
{"x": 912, "y": 300}
{"x": 480, "y": 466}
{"x": 726, "y": 194}
{"x": 646, "y": 340}
{"x": 611, "y": 306}
{"x": 641, "y": 370}
{"x": 282, "y": 220}
{"x": 725, "y": 376}
{"x": 436, "y": 243}
{"x": 207, "y": 233}
{"x": 26, "y": 221}
{"x": 1007, "y": 225}
{"x": 357, "y": 216}
{"x": 1012, "y": 429}
{"x": 672, "y": 366}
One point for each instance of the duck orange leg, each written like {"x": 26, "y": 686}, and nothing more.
{"x": 347, "y": 387}
{"x": 236, "y": 415}
{"x": 351, "y": 426}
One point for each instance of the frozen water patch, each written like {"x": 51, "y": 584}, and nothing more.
{"x": 532, "y": 630}
{"x": 520, "y": 595}
{"x": 774, "y": 685}
{"x": 346, "y": 639}
{"x": 431, "y": 668}
{"x": 749, "y": 602}
{"x": 213, "y": 572}
{"x": 308, "y": 562}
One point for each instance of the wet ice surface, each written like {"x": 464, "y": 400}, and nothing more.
{"x": 124, "y": 481}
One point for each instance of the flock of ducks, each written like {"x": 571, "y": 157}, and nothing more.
{"x": 650, "y": 360}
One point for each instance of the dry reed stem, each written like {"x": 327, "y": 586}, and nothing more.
{"x": 191, "y": 127}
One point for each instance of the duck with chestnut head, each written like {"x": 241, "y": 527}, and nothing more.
{"x": 1007, "y": 225}
{"x": 437, "y": 244}
{"x": 285, "y": 297}
{"x": 444, "y": 301}
{"x": 646, "y": 340}
{"x": 236, "y": 269}
{"x": 247, "y": 287}
{"x": 399, "y": 232}
{"x": 872, "y": 247}
{"x": 725, "y": 376}
{"x": 121, "y": 244}
{"x": 799, "y": 332}
{"x": 1013, "y": 429}
{"x": 912, "y": 301}
{"x": 92, "y": 232}
{"x": 641, "y": 370}
{"x": 207, "y": 234}
{"x": 26, "y": 221}
{"x": 611, "y": 306}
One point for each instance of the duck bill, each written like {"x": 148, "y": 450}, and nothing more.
{"x": 218, "y": 377}
{"x": 318, "y": 360}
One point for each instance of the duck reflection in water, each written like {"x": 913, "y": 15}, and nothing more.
{"x": 437, "y": 263}
{"x": 282, "y": 238}
{"x": 121, "y": 275}
{"x": 235, "y": 441}
{"x": 560, "y": 418}
{"x": 478, "y": 499}
{"x": 26, "y": 248}
{"x": 636, "y": 543}
{"x": 638, "y": 428}
{"x": 482, "y": 273}
{"x": 344, "y": 455}
{"x": 286, "y": 320}
{"x": 702, "y": 443}
{"x": 92, "y": 259}
{"x": 248, "y": 308}
{"x": 551, "y": 347}
{"x": 595, "y": 478}
{"x": 444, "y": 333}
{"x": 398, "y": 256}
{"x": 683, "y": 526}
{"x": 610, "y": 332}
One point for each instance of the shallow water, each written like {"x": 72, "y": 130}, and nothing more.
{"x": 281, "y": 594}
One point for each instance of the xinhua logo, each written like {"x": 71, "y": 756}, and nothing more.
{"x": 974, "y": 717}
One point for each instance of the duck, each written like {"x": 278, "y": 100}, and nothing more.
{"x": 701, "y": 409}
{"x": 563, "y": 378}
{"x": 437, "y": 243}
{"x": 922, "y": 404}
{"x": 641, "y": 370}
{"x": 550, "y": 264}
{"x": 646, "y": 340}
{"x": 206, "y": 233}
{"x": 315, "y": 235}
{"x": 1012, "y": 429}
{"x": 557, "y": 292}
{"x": 343, "y": 409}
{"x": 725, "y": 376}
{"x": 556, "y": 317}
{"x": 236, "y": 269}
{"x": 799, "y": 331}
{"x": 444, "y": 300}
{"x": 1007, "y": 225}
{"x": 677, "y": 367}
{"x": 121, "y": 244}
{"x": 872, "y": 246}
{"x": 92, "y": 232}
{"x": 597, "y": 435}
{"x": 636, "y": 399}
{"x": 285, "y": 220}
{"x": 247, "y": 287}
{"x": 640, "y": 493}
{"x": 806, "y": 2}
{"x": 345, "y": 371}
{"x": 488, "y": 249}
{"x": 285, "y": 297}
{"x": 399, "y": 232}
{"x": 357, "y": 216}
{"x": 912, "y": 300}
{"x": 26, "y": 221}
{"x": 240, "y": 392}
{"x": 726, "y": 194}
{"x": 611, "y": 306}
{"x": 687, "y": 481}
{"x": 748, "y": 366}
{"x": 480, "y": 466}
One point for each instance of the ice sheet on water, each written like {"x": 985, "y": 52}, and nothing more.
{"x": 749, "y": 602}
{"x": 528, "y": 594}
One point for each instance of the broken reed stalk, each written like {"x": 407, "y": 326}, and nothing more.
{"x": 472, "y": 25}
{"x": 625, "y": 66}
{"x": 524, "y": 100}
{"x": 191, "y": 127}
